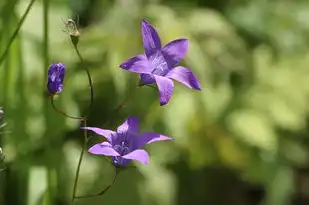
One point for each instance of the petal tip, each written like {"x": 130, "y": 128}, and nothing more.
{"x": 198, "y": 85}
{"x": 144, "y": 21}
{"x": 84, "y": 128}
{"x": 198, "y": 88}
{"x": 163, "y": 103}
{"x": 145, "y": 161}
{"x": 185, "y": 41}
{"x": 125, "y": 65}
{"x": 122, "y": 65}
{"x": 91, "y": 150}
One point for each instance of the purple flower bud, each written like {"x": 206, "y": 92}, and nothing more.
{"x": 56, "y": 74}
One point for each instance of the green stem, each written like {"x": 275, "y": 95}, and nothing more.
{"x": 45, "y": 37}
{"x": 103, "y": 191}
{"x": 7, "y": 48}
{"x": 88, "y": 75}
{"x": 80, "y": 161}
{"x": 45, "y": 53}
{"x": 63, "y": 113}
{"x": 85, "y": 122}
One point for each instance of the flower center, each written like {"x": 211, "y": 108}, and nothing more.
{"x": 122, "y": 148}
{"x": 159, "y": 64}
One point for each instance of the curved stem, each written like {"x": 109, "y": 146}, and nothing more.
{"x": 7, "y": 48}
{"x": 80, "y": 162}
{"x": 88, "y": 75}
{"x": 63, "y": 113}
{"x": 85, "y": 121}
{"x": 103, "y": 191}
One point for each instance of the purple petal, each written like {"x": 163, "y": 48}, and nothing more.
{"x": 151, "y": 39}
{"x": 120, "y": 162}
{"x": 138, "y": 155}
{"x": 166, "y": 87}
{"x": 150, "y": 137}
{"x": 104, "y": 148}
{"x": 175, "y": 51}
{"x": 108, "y": 134}
{"x": 146, "y": 79}
{"x": 137, "y": 64}
{"x": 131, "y": 124}
{"x": 184, "y": 76}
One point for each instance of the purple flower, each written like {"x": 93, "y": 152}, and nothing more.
{"x": 56, "y": 74}
{"x": 158, "y": 65}
{"x": 124, "y": 144}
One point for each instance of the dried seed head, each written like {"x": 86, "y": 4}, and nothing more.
{"x": 72, "y": 30}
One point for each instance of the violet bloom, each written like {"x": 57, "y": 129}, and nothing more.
{"x": 56, "y": 74}
{"x": 124, "y": 144}
{"x": 158, "y": 65}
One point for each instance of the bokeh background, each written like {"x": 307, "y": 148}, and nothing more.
{"x": 242, "y": 140}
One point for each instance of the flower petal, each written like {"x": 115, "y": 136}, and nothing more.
{"x": 166, "y": 88}
{"x": 151, "y": 39}
{"x": 108, "y": 134}
{"x": 120, "y": 162}
{"x": 137, "y": 64}
{"x": 184, "y": 76}
{"x": 104, "y": 148}
{"x": 131, "y": 124}
{"x": 138, "y": 155}
{"x": 146, "y": 79}
{"x": 175, "y": 51}
{"x": 150, "y": 137}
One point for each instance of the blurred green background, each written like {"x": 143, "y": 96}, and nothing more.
{"x": 243, "y": 140}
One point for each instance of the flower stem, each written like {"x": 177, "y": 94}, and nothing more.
{"x": 7, "y": 48}
{"x": 88, "y": 75}
{"x": 63, "y": 113}
{"x": 104, "y": 190}
{"x": 45, "y": 54}
{"x": 80, "y": 161}
{"x": 85, "y": 121}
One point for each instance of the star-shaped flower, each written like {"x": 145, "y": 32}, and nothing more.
{"x": 56, "y": 73}
{"x": 124, "y": 144}
{"x": 159, "y": 65}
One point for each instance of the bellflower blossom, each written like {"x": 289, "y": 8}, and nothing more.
{"x": 124, "y": 144}
{"x": 56, "y": 73}
{"x": 158, "y": 65}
